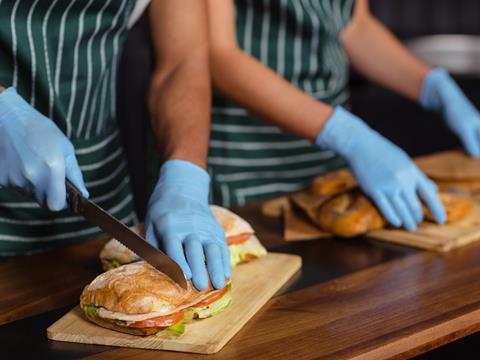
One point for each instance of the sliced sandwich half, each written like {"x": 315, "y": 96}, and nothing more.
{"x": 137, "y": 299}
{"x": 241, "y": 240}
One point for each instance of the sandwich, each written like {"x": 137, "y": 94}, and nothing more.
{"x": 241, "y": 240}
{"x": 137, "y": 299}
{"x": 115, "y": 254}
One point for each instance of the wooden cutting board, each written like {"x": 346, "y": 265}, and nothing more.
{"x": 450, "y": 165}
{"x": 436, "y": 237}
{"x": 254, "y": 283}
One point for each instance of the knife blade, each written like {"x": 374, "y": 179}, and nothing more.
{"x": 95, "y": 214}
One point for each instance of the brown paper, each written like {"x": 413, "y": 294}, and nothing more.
{"x": 274, "y": 207}
{"x": 298, "y": 227}
{"x": 309, "y": 203}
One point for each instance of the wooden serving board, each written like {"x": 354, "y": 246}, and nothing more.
{"x": 436, "y": 237}
{"x": 254, "y": 283}
{"x": 450, "y": 165}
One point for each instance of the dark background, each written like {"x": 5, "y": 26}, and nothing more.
{"x": 410, "y": 18}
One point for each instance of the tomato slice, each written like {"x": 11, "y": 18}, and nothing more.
{"x": 160, "y": 321}
{"x": 238, "y": 239}
{"x": 214, "y": 296}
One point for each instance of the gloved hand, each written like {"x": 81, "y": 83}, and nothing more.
{"x": 35, "y": 155}
{"x": 180, "y": 220}
{"x": 384, "y": 171}
{"x": 442, "y": 94}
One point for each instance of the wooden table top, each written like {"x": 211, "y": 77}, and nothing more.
{"x": 353, "y": 298}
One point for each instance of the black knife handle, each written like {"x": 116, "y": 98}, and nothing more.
{"x": 74, "y": 197}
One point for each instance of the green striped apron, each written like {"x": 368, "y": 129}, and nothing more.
{"x": 61, "y": 56}
{"x": 299, "y": 39}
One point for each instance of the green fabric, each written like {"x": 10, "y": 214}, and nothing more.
{"x": 299, "y": 39}
{"x": 62, "y": 57}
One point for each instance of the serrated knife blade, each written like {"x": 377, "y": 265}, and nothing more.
{"x": 95, "y": 214}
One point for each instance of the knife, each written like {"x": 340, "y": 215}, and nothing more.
{"x": 95, "y": 214}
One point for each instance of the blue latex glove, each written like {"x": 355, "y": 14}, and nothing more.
{"x": 180, "y": 220}
{"x": 383, "y": 170}
{"x": 441, "y": 93}
{"x": 35, "y": 155}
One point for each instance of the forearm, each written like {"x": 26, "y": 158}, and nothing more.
{"x": 180, "y": 89}
{"x": 375, "y": 53}
{"x": 179, "y": 103}
{"x": 255, "y": 87}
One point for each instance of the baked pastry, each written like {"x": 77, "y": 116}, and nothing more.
{"x": 333, "y": 183}
{"x": 349, "y": 214}
{"x": 140, "y": 300}
{"x": 457, "y": 207}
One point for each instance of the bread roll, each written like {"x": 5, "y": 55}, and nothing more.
{"x": 457, "y": 207}
{"x": 333, "y": 183}
{"x": 349, "y": 214}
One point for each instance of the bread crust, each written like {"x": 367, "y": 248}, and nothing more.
{"x": 349, "y": 214}
{"x": 333, "y": 183}
{"x": 137, "y": 288}
{"x": 231, "y": 223}
{"x": 114, "y": 250}
{"x": 457, "y": 207}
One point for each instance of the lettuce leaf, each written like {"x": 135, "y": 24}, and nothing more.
{"x": 174, "y": 330}
{"x": 121, "y": 323}
{"x": 110, "y": 264}
{"x": 90, "y": 310}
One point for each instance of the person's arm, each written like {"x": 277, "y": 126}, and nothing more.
{"x": 256, "y": 87}
{"x": 178, "y": 217}
{"x": 376, "y": 54}
{"x": 180, "y": 89}
{"x": 393, "y": 182}
{"x": 380, "y": 57}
